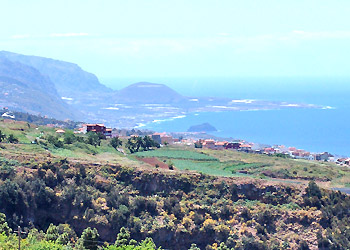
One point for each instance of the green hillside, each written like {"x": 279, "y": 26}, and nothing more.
{"x": 71, "y": 191}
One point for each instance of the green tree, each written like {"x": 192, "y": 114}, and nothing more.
{"x": 4, "y": 228}
{"x": 66, "y": 234}
{"x": 52, "y": 233}
{"x": 93, "y": 139}
{"x": 123, "y": 238}
{"x": 69, "y": 137}
{"x": 149, "y": 143}
{"x": 34, "y": 235}
{"x": 55, "y": 141}
{"x": 132, "y": 145}
{"x": 10, "y": 196}
{"x": 148, "y": 244}
{"x": 12, "y": 139}
{"x": 115, "y": 142}
{"x": 313, "y": 195}
{"x": 89, "y": 239}
{"x": 139, "y": 144}
{"x": 313, "y": 190}
{"x": 2, "y": 136}
{"x": 63, "y": 239}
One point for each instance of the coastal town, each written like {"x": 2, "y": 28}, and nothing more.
{"x": 202, "y": 140}
{"x": 191, "y": 140}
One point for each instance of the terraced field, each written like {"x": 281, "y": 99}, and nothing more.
{"x": 200, "y": 162}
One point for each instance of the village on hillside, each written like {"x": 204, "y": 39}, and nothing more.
{"x": 191, "y": 139}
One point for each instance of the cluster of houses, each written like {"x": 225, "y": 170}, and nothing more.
{"x": 97, "y": 128}
{"x": 282, "y": 150}
{"x": 161, "y": 138}
{"x": 164, "y": 138}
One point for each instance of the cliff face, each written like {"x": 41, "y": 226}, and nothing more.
{"x": 24, "y": 88}
{"x": 68, "y": 78}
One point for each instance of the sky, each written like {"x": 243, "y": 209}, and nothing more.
{"x": 184, "y": 38}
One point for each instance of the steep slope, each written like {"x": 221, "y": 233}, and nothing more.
{"x": 148, "y": 93}
{"x": 27, "y": 76}
{"x": 69, "y": 79}
{"x": 24, "y": 88}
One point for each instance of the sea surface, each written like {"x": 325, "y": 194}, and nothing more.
{"x": 315, "y": 130}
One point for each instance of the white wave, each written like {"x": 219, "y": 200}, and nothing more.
{"x": 168, "y": 119}
{"x": 111, "y": 108}
{"x": 246, "y": 101}
{"x": 291, "y": 105}
{"x": 179, "y": 117}
{"x": 67, "y": 98}
{"x": 221, "y": 107}
{"x": 328, "y": 107}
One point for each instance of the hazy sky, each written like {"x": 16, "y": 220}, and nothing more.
{"x": 113, "y": 38}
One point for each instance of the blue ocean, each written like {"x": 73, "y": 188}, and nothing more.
{"x": 315, "y": 130}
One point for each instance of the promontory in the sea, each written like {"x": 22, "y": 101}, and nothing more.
{"x": 204, "y": 127}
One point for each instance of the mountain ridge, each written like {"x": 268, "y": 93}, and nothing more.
{"x": 67, "y": 77}
{"x": 24, "y": 88}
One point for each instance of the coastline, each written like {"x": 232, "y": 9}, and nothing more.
{"x": 296, "y": 128}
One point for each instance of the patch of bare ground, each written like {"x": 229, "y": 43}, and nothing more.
{"x": 153, "y": 161}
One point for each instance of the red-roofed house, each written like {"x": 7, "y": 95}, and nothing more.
{"x": 292, "y": 149}
{"x": 220, "y": 145}
{"x": 97, "y": 128}
{"x": 233, "y": 145}
{"x": 269, "y": 151}
{"x": 209, "y": 143}
{"x": 108, "y": 133}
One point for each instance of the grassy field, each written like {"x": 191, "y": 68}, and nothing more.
{"x": 188, "y": 159}
{"x": 206, "y": 167}
{"x": 177, "y": 154}
{"x": 282, "y": 168}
